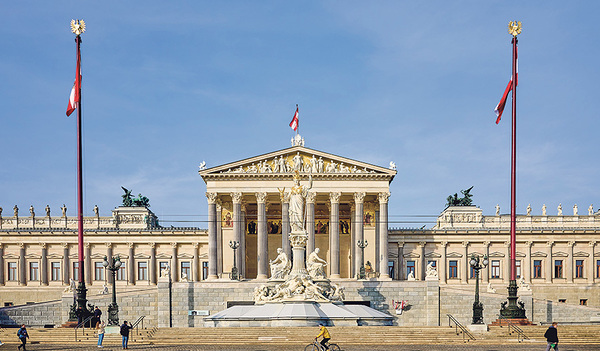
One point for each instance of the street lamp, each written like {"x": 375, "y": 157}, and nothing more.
{"x": 113, "y": 309}
{"x": 361, "y": 272}
{"x": 234, "y": 271}
{"x": 477, "y": 265}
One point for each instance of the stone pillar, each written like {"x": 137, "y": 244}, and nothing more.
{"x": 423, "y": 263}
{"x": 569, "y": 262}
{"x": 485, "y": 272}
{"x": 175, "y": 263}
{"x": 242, "y": 249}
{"x": 131, "y": 273}
{"x": 506, "y": 275}
{"x": 285, "y": 223}
{"x": 196, "y": 263}
{"x": 353, "y": 246}
{"x": 464, "y": 277}
{"x": 359, "y": 235}
{"x": 526, "y": 267}
{"x": 219, "y": 208}
{"x": 591, "y": 274}
{"x": 66, "y": 266}
{"x": 310, "y": 222}
{"x": 334, "y": 234}
{"x": 443, "y": 264}
{"x": 109, "y": 254}
{"x": 383, "y": 236}
{"x": 2, "y": 258}
{"x": 262, "y": 246}
{"x": 400, "y": 268}
{"x": 153, "y": 266}
{"x": 212, "y": 238}
{"x": 549, "y": 263}
{"x": 44, "y": 264}
{"x": 88, "y": 264}
{"x": 237, "y": 223}
{"x": 22, "y": 265}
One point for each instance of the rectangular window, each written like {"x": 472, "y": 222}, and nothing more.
{"x": 12, "y": 271}
{"x": 518, "y": 268}
{"x": 578, "y": 268}
{"x": 55, "y": 274}
{"x": 98, "y": 271}
{"x": 34, "y": 269}
{"x": 562, "y": 300}
{"x": 143, "y": 270}
{"x": 204, "y": 270}
{"x": 583, "y": 302}
{"x": 410, "y": 268}
{"x": 391, "y": 269}
{"x": 76, "y": 271}
{"x": 122, "y": 271}
{"x": 537, "y": 268}
{"x": 186, "y": 270}
{"x": 598, "y": 269}
{"x": 453, "y": 269}
{"x": 558, "y": 269}
{"x": 496, "y": 269}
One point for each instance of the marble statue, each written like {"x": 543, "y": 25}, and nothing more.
{"x": 315, "y": 265}
{"x": 490, "y": 289}
{"x": 31, "y": 211}
{"x": 544, "y": 210}
{"x": 0, "y": 211}
{"x": 16, "y": 211}
{"x": 590, "y": 210}
{"x": 431, "y": 271}
{"x": 261, "y": 294}
{"x": 96, "y": 211}
{"x": 297, "y": 161}
{"x": 280, "y": 266}
{"x": 166, "y": 272}
{"x": 184, "y": 278}
{"x": 72, "y": 286}
{"x": 296, "y": 209}
{"x": 559, "y": 208}
{"x": 320, "y": 165}
{"x": 529, "y": 210}
{"x": 104, "y": 290}
{"x": 575, "y": 210}
{"x": 202, "y": 166}
{"x": 392, "y": 165}
{"x": 497, "y": 210}
{"x": 64, "y": 210}
{"x": 411, "y": 276}
{"x": 337, "y": 294}
{"x": 47, "y": 210}
{"x": 523, "y": 286}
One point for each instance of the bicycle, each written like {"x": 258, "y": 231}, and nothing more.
{"x": 316, "y": 346}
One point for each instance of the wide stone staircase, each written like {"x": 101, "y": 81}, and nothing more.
{"x": 63, "y": 336}
{"x": 567, "y": 334}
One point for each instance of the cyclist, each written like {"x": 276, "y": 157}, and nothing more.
{"x": 326, "y": 336}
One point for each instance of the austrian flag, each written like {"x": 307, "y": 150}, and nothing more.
{"x": 500, "y": 107}
{"x": 75, "y": 97}
{"x": 294, "y": 122}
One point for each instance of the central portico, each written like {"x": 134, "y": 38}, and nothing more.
{"x": 248, "y": 202}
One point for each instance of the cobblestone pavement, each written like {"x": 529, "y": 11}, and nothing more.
{"x": 456, "y": 347}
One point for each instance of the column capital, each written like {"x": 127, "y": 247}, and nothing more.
{"x": 130, "y": 245}
{"x": 549, "y": 243}
{"x": 64, "y": 245}
{"x": 87, "y": 245}
{"x": 571, "y": 243}
{"x": 400, "y": 243}
{"x": 444, "y": 244}
{"x": 334, "y": 197}
{"x": 174, "y": 245}
{"x": 211, "y": 197}
{"x": 310, "y": 197}
{"x": 236, "y": 197}
{"x": 592, "y": 243}
{"x": 465, "y": 243}
{"x": 359, "y": 197}
{"x": 21, "y": 245}
{"x": 507, "y": 243}
{"x": 108, "y": 245}
{"x": 261, "y": 197}
{"x": 422, "y": 244}
{"x": 487, "y": 243}
{"x": 44, "y": 245}
{"x": 196, "y": 245}
{"x": 152, "y": 245}
{"x": 529, "y": 243}
{"x": 384, "y": 197}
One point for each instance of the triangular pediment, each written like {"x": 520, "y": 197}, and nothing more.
{"x": 163, "y": 256}
{"x": 185, "y": 256}
{"x": 141, "y": 256}
{"x": 433, "y": 255}
{"x": 581, "y": 254}
{"x": 412, "y": 255}
{"x": 539, "y": 254}
{"x": 496, "y": 254}
{"x": 560, "y": 254}
{"x": 54, "y": 256}
{"x": 303, "y": 159}
{"x": 454, "y": 255}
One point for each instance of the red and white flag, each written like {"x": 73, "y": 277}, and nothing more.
{"x": 500, "y": 107}
{"x": 294, "y": 122}
{"x": 75, "y": 98}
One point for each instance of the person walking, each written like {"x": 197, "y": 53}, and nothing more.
{"x": 125, "y": 333}
{"x": 97, "y": 314}
{"x": 551, "y": 336}
{"x": 100, "y": 328}
{"x": 23, "y": 335}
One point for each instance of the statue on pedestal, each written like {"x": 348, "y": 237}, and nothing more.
{"x": 315, "y": 265}
{"x": 280, "y": 266}
{"x": 431, "y": 271}
{"x": 297, "y": 196}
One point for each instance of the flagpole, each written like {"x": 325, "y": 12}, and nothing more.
{"x": 298, "y": 127}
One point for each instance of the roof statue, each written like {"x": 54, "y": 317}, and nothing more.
{"x": 463, "y": 201}
{"x": 128, "y": 201}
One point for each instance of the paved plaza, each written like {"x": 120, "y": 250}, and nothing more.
{"x": 458, "y": 347}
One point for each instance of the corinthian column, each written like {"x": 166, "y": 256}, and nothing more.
{"x": 591, "y": 263}
{"x": 383, "y": 236}
{"x": 285, "y": 223}
{"x": 237, "y": 223}
{"x": 358, "y": 225}
{"x": 310, "y": 221}
{"x": 334, "y": 234}
{"x": 262, "y": 246}
{"x": 44, "y": 264}
{"x": 212, "y": 237}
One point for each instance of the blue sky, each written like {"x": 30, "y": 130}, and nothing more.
{"x": 167, "y": 85}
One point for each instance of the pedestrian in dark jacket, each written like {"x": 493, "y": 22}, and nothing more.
{"x": 125, "y": 333}
{"x": 22, "y": 334}
{"x": 551, "y": 336}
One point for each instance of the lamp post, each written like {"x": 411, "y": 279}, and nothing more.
{"x": 113, "y": 265}
{"x": 361, "y": 272}
{"x": 477, "y": 265}
{"x": 234, "y": 271}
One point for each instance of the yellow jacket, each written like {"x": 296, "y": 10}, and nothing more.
{"x": 324, "y": 333}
